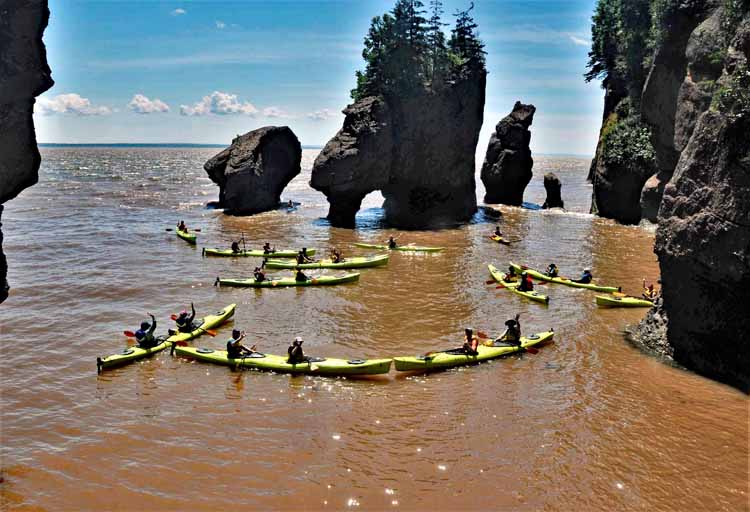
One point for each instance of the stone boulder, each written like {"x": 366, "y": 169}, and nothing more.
{"x": 417, "y": 149}
{"x": 24, "y": 74}
{"x": 507, "y": 166}
{"x": 253, "y": 171}
{"x": 552, "y": 185}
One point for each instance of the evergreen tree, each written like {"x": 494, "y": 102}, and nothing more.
{"x": 467, "y": 49}
{"x": 438, "y": 64}
{"x": 604, "y": 34}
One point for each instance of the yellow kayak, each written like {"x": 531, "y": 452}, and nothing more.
{"x": 499, "y": 276}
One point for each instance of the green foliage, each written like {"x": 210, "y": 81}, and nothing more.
{"x": 604, "y": 33}
{"x": 733, "y": 98}
{"x": 405, "y": 52}
{"x": 628, "y": 142}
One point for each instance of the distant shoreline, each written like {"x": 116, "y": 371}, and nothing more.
{"x": 188, "y": 145}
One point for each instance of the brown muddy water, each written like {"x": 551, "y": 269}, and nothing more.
{"x": 589, "y": 423}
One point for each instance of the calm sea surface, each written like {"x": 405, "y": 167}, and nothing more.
{"x": 589, "y": 423}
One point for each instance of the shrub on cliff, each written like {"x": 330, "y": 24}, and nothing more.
{"x": 405, "y": 52}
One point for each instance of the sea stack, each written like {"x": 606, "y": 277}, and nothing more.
{"x": 24, "y": 74}
{"x": 253, "y": 171}
{"x": 553, "y": 187}
{"x": 507, "y": 166}
{"x": 413, "y": 128}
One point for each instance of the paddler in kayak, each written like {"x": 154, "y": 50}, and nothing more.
{"x": 235, "y": 349}
{"x": 181, "y": 226}
{"x": 586, "y": 277}
{"x": 259, "y": 275}
{"x": 392, "y": 243}
{"x": 267, "y": 249}
{"x": 145, "y": 335}
{"x": 235, "y": 247}
{"x": 300, "y": 276}
{"x": 512, "y": 334}
{"x": 527, "y": 284}
{"x": 296, "y": 356}
{"x": 510, "y": 275}
{"x": 552, "y": 270}
{"x": 303, "y": 258}
{"x": 336, "y": 256}
{"x": 497, "y": 232}
{"x": 185, "y": 321}
{"x": 471, "y": 342}
{"x": 649, "y": 292}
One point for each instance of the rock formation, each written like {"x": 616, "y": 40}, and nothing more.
{"x": 418, "y": 150}
{"x": 507, "y": 166}
{"x": 703, "y": 238}
{"x": 253, "y": 171}
{"x": 24, "y": 74}
{"x": 552, "y": 185}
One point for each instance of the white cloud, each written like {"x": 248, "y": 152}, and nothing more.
{"x": 178, "y": 12}
{"x": 578, "y": 41}
{"x": 219, "y": 103}
{"x": 275, "y": 112}
{"x": 321, "y": 115}
{"x": 220, "y": 24}
{"x": 140, "y": 104}
{"x": 69, "y": 104}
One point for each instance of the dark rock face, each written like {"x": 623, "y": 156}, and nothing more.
{"x": 417, "y": 149}
{"x": 703, "y": 239}
{"x": 507, "y": 166}
{"x": 552, "y": 185}
{"x": 253, "y": 171}
{"x": 24, "y": 74}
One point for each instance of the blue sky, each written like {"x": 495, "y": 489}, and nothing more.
{"x": 222, "y": 68}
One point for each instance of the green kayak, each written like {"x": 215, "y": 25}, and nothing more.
{"x": 134, "y": 353}
{"x": 255, "y": 253}
{"x": 188, "y": 237}
{"x": 499, "y": 276}
{"x": 622, "y": 302}
{"x": 455, "y": 357}
{"x": 270, "y": 362}
{"x": 563, "y": 280}
{"x": 409, "y": 248}
{"x": 356, "y": 262}
{"x": 276, "y": 282}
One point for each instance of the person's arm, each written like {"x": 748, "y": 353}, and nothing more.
{"x": 153, "y": 324}
{"x": 192, "y": 308}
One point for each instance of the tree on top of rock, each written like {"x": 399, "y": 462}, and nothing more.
{"x": 405, "y": 53}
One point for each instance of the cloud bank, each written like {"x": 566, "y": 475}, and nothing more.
{"x": 178, "y": 12}
{"x": 219, "y": 103}
{"x": 321, "y": 115}
{"x": 140, "y": 104}
{"x": 69, "y": 104}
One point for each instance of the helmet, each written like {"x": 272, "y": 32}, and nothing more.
{"x": 145, "y": 325}
{"x": 587, "y": 269}
{"x": 298, "y": 340}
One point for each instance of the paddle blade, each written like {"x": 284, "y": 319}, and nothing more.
{"x": 532, "y": 350}
{"x": 499, "y": 286}
{"x": 541, "y": 282}
{"x": 129, "y": 334}
{"x": 174, "y": 317}
{"x": 482, "y": 335}
{"x": 211, "y": 332}
{"x": 491, "y": 281}
{"x": 169, "y": 229}
{"x": 197, "y": 229}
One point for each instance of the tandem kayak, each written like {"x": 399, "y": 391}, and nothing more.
{"x": 270, "y": 362}
{"x": 275, "y": 282}
{"x": 410, "y": 248}
{"x": 255, "y": 253}
{"x": 134, "y": 353}
{"x": 499, "y": 240}
{"x": 622, "y": 302}
{"x": 188, "y": 237}
{"x": 356, "y": 262}
{"x": 499, "y": 276}
{"x": 452, "y": 358}
{"x": 563, "y": 280}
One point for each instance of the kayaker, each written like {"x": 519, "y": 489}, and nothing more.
{"x": 145, "y": 335}
{"x": 181, "y": 226}
{"x": 552, "y": 270}
{"x": 185, "y": 321}
{"x": 649, "y": 292}
{"x": 296, "y": 356}
{"x": 336, "y": 256}
{"x": 290, "y": 204}
{"x": 498, "y": 232}
{"x": 510, "y": 275}
{"x": 260, "y": 276}
{"x": 300, "y": 276}
{"x": 586, "y": 277}
{"x": 267, "y": 249}
{"x": 527, "y": 284}
{"x": 235, "y": 247}
{"x": 235, "y": 349}
{"x": 471, "y": 342}
{"x": 302, "y": 257}
{"x": 512, "y": 334}
{"x": 392, "y": 243}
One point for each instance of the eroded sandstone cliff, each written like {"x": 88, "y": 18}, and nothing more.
{"x": 24, "y": 74}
